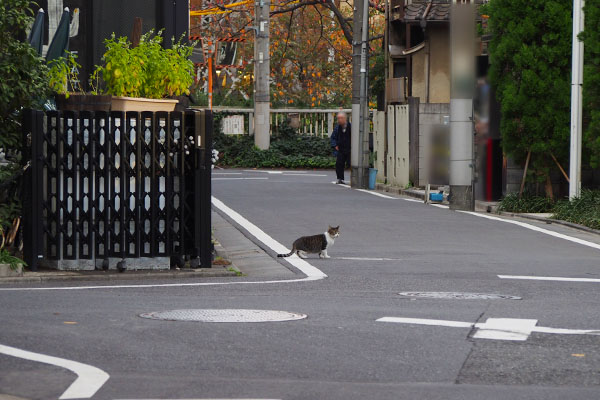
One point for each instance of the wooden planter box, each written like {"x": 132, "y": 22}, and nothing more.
{"x": 119, "y": 103}
{"x": 90, "y": 102}
{"x": 5, "y": 270}
{"x": 83, "y": 102}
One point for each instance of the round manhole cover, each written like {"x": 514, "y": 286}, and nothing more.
{"x": 459, "y": 296}
{"x": 226, "y": 315}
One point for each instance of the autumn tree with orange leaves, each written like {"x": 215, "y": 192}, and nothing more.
{"x": 311, "y": 52}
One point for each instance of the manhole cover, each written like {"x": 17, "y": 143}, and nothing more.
{"x": 459, "y": 296}
{"x": 227, "y": 315}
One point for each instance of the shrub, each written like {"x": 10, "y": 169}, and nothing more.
{"x": 583, "y": 210}
{"x": 288, "y": 150}
{"x": 526, "y": 204}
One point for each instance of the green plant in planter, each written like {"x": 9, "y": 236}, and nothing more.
{"x": 147, "y": 70}
{"x": 61, "y": 72}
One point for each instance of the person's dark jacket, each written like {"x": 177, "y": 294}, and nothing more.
{"x": 341, "y": 139}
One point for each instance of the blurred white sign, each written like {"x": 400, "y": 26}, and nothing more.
{"x": 233, "y": 125}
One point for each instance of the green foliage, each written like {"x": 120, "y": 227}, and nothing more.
{"x": 7, "y": 258}
{"x": 61, "y": 73}
{"x": 526, "y": 204}
{"x": 23, "y": 78}
{"x": 530, "y": 57}
{"x": 147, "y": 70}
{"x": 591, "y": 80}
{"x": 288, "y": 150}
{"x": 584, "y": 210}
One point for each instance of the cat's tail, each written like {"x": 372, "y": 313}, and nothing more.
{"x": 288, "y": 254}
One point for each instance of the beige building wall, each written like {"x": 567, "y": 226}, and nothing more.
{"x": 439, "y": 73}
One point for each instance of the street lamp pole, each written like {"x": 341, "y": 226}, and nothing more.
{"x": 576, "y": 101}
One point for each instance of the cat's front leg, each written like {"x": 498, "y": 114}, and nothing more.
{"x": 324, "y": 254}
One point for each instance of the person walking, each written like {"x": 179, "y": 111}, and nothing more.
{"x": 340, "y": 143}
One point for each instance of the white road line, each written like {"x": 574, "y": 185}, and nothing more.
{"x": 237, "y": 179}
{"x": 495, "y": 328}
{"x": 367, "y": 258}
{"x": 440, "y": 206}
{"x": 276, "y": 172}
{"x": 537, "y": 229}
{"x": 304, "y": 174}
{"x": 341, "y": 184}
{"x": 431, "y": 322}
{"x": 376, "y": 194}
{"x": 413, "y": 200}
{"x": 549, "y": 278}
{"x": 89, "y": 379}
{"x": 312, "y": 273}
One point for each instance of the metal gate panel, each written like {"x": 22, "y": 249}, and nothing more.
{"x": 124, "y": 185}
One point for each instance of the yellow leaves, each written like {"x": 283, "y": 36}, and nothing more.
{"x": 290, "y": 101}
{"x": 281, "y": 92}
{"x": 313, "y": 99}
{"x": 283, "y": 71}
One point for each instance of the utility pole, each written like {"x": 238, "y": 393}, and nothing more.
{"x": 576, "y": 96}
{"x": 262, "y": 71}
{"x": 360, "y": 105}
{"x": 462, "y": 70}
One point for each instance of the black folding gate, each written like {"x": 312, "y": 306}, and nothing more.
{"x": 110, "y": 186}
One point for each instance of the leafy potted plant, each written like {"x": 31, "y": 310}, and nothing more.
{"x": 141, "y": 78}
{"x": 69, "y": 95}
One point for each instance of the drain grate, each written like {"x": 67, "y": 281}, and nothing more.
{"x": 459, "y": 296}
{"x": 225, "y": 315}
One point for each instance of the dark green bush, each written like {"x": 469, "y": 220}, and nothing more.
{"x": 583, "y": 210}
{"x": 526, "y": 204}
{"x": 288, "y": 150}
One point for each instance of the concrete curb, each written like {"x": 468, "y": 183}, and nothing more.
{"x": 550, "y": 221}
{"x": 217, "y": 271}
{"x": 417, "y": 194}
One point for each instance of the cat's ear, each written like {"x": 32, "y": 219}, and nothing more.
{"x": 330, "y": 227}
{"x": 337, "y": 228}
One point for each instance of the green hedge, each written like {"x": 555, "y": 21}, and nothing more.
{"x": 584, "y": 210}
{"x": 287, "y": 150}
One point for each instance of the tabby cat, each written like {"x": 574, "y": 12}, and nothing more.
{"x": 314, "y": 244}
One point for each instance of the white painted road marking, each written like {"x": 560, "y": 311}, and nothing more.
{"x": 341, "y": 184}
{"x": 89, "y": 379}
{"x": 288, "y": 174}
{"x": 549, "y": 278}
{"x": 413, "y": 200}
{"x": 537, "y": 229}
{"x": 312, "y": 273}
{"x": 367, "y": 258}
{"x": 238, "y": 179}
{"x": 376, "y": 194}
{"x": 495, "y": 328}
{"x": 440, "y": 206}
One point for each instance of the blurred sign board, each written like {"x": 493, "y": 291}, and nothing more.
{"x": 233, "y": 125}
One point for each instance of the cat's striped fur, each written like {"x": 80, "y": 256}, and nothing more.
{"x": 314, "y": 244}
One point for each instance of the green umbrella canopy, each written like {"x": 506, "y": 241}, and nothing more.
{"x": 36, "y": 36}
{"x": 60, "y": 41}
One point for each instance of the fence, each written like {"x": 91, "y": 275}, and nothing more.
{"x": 313, "y": 121}
{"x": 104, "y": 187}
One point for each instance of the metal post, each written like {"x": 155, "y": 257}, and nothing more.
{"x": 462, "y": 36}
{"x": 262, "y": 70}
{"x": 576, "y": 98}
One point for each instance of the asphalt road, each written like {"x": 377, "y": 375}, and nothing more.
{"x": 387, "y": 246}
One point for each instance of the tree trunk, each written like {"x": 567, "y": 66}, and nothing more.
{"x": 548, "y": 187}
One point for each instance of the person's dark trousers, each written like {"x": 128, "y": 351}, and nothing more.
{"x": 342, "y": 160}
